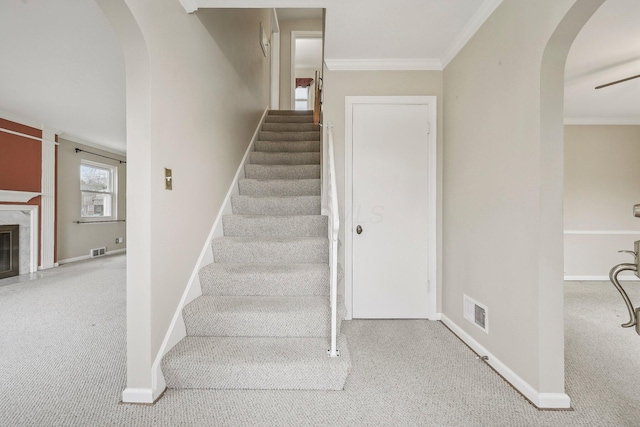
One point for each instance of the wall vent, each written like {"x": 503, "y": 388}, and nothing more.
{"x": 476, "y": 313}
{"x": 97, "y": 252}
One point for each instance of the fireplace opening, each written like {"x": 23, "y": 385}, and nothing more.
{"x": 9, "y": 251}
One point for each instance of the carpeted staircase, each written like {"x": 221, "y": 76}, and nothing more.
{"x": 263, "y": 320}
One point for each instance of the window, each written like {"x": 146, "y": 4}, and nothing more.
{"x": 302, "y": 98}
{"x": 98, "y": 183}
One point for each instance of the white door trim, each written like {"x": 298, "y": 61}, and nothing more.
{"x": 431, "y": 101}
{"x": 274, "y": 45}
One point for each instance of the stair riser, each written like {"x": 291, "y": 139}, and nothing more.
{"x": 301, "y": 205}
{"x": 263, "y": 158}
{"x": 290, "y": 113}
{"x": 288, "y": 147}
{"x": 288, "y": 136}
{"x": 282, "y": 172}
{"x": 254, "y": 377}
{"x": 274, "y": 226}
{"x": 279, "y": 187}
{"x": 220, "y": 281}
{"x": 288, "y": 119}
{"x": 289, "y": 127}
{"x": 255, "y": 363}
{"x": 307, "y": 322}
{"x": 309, "y": 250}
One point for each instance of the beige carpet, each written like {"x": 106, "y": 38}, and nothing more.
{"x": 62, "y": 362}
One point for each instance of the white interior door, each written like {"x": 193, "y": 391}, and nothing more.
{"x": 390, "y": 233}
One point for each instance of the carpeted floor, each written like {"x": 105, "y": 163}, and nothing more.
{"x": 62, "y": 362}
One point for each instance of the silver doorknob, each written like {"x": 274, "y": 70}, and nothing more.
{"x": 358, "y": 229}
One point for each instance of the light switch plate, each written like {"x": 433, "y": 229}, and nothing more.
{"x": 168, "y": 179}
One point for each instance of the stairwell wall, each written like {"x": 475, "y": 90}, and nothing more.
{"x": 197, "y": 85}
{"x": 502, "y": 236}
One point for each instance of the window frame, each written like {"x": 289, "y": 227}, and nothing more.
{"x": 113, "y": 175}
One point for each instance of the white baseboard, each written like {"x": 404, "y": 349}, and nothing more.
{"x": 140, "y": 395}
{"x": 540, "y": 400}
{"x": 622, "y": 277}
{"x": 83, "y": 257}
{"x": 177, "y": 329}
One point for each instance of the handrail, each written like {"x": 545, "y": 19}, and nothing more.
{"x": 334, "y": 228}
{"x": 317, "y": 100}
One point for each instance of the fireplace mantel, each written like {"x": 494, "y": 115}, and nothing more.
{"x": 16, "y": 196}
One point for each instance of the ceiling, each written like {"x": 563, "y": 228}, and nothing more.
{"x": 309, "y": 53}
{"x": 607, "y": 49}
{"x": 63, "y": 68}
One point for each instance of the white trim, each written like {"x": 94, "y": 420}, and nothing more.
{"x": 482, "y": 14}
{"x": 239, "y": 4}
{"x": 299, "y": 35}
{"x": 176, "y": 330}
{"x": 274, "y": 100}
{"x": 33, "y": 231}
{"x": 20, "y": 134}
{"x": 432, "y": 195}
{"x": 540, "y": 400}
{"x": 48, "y": 198}
{"x": 602, "y": 121}
{"x": 625, "y": 277}
{"x": 83, "y": 257}
{"x": 17, "y": 196}
{"x": 190, "y": 6}
{"x": 602, "y": 232}
{"x": 401, "y": 64}
{"x": 139, "y": 395}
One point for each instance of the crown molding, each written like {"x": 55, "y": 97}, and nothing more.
{"x": 403, "y": 64}
{"x": 602, "y": 121}
{"x": 241, "y": 4}
{"x": 190, "y": 6}
{"x": 482, "y": 14}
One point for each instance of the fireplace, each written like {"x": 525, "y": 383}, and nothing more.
{"x": 9, "y": 250}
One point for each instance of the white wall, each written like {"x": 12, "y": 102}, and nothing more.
{"x": 601, "y": 185}
{"x": 502, "y": 236}
{"x": 286, "y": 26}
{"x": 76, "y": 240}
{"x": 196, "y": 87}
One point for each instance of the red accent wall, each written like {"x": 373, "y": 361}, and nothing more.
{"x": 20, "y": 158}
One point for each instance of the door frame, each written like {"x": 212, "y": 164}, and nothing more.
{"x": 274, "y": 44}
{"x": 432, "y": 220}
{"x": 294, "y": 36}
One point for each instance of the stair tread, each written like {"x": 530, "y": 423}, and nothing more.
{"x": 266, "y": 363}
{"x": 256, "y": 350}
{"x": 265, "y": 279}
{"x": 268, "y": 250}
{"x": 272, "y": 239}
{"x": 254, "y": 171}
{"x": 272, "y": 205}
{"x": 259, "y": 316}
{"x": 266, "y": 135}
{"x": 285, "y": 158}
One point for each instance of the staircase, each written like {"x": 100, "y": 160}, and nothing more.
{"x": 263, "y": 320}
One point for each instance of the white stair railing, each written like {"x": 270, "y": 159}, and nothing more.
{"x": 331, "y": 201}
